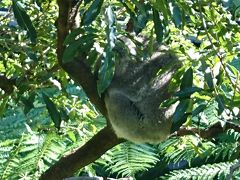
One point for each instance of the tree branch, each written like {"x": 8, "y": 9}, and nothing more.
{"x": 104, "y": 139}
{"x": 208, "y": 133}
{"x": 77, "y": 69}
{"x": 91, "y": 151}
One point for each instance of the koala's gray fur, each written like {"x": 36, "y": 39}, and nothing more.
{"x": 133, "y": 99}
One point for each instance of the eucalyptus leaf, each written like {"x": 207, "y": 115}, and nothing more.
{"x": 91, "y": 14}
{"x": 199, "y": 109}
{"x": 52, "y": 110}
{"x": 24, "y": 20}
{"x": 162, "y": 6}
{"x": 158, "y": 26}
{"x": 107, "y": 68}
{"x": 180, "y": 116}
{"x": 187, "y": 80}
{"x": 209, "y": 80}
{"x": 177, "y": 16}
{"x": 220, "y": 100}
{"x": 187, "y": 92}
{"x": 168, "y": 102}
{"x": 83, "y": 44}
{"x": 28, "y": 104}
{"x": 72, "y": 36}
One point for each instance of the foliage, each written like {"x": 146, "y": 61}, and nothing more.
{"x": 44, "y": 114}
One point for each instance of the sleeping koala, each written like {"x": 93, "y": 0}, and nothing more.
{"x": 133, "y": 98}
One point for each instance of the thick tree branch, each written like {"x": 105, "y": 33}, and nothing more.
{"x": 91, "y": 151}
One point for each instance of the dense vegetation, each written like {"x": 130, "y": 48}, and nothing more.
{"x": 53, "y": 52}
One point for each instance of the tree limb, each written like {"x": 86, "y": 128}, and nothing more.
{"x": 104, "y": 140}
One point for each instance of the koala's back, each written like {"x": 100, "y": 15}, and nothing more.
{"x": 133, "y": 99}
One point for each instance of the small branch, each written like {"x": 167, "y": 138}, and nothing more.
{"x": 209, "y": 133}
{"x": 88, "y": 153}
{"x": 62, "y": 27}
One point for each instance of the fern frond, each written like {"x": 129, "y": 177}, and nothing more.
{"x": 127, "y": 159}
{"x": 208, "y": 172}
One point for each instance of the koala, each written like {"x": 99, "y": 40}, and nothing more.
{"x": 134, "y": 95}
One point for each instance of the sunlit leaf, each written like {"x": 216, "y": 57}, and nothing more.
{"x": 24, "y": 20}
{"x": 106, "y": 71}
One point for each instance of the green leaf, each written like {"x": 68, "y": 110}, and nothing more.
{"x": 187, "y": 92}
{"x": 177, "y": 16}
{"x": 168, "y": 102}
{"x": 28, "y": 104}
{"x": 52, "y": 110}
{"x": 180, "y": 116}
{"x": 106, "y": 71}
{"x": 162, "y": 5}
{"x": 91, "y": 14}
{"x": 158, "y": 26}
{"x": 187, "y": 80}
{"x": 87, "y": 2}
{"x": 72, "y": 136}
{"x": 24, "y": 20}
{"x": 209, "y": 79}
{"x": 220, "y": 100}
{"x": 199, "y": 109}
{"x": 236, "y": 63}
{"x": 83, "y": 44}
{"x": 72, "y": 36}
